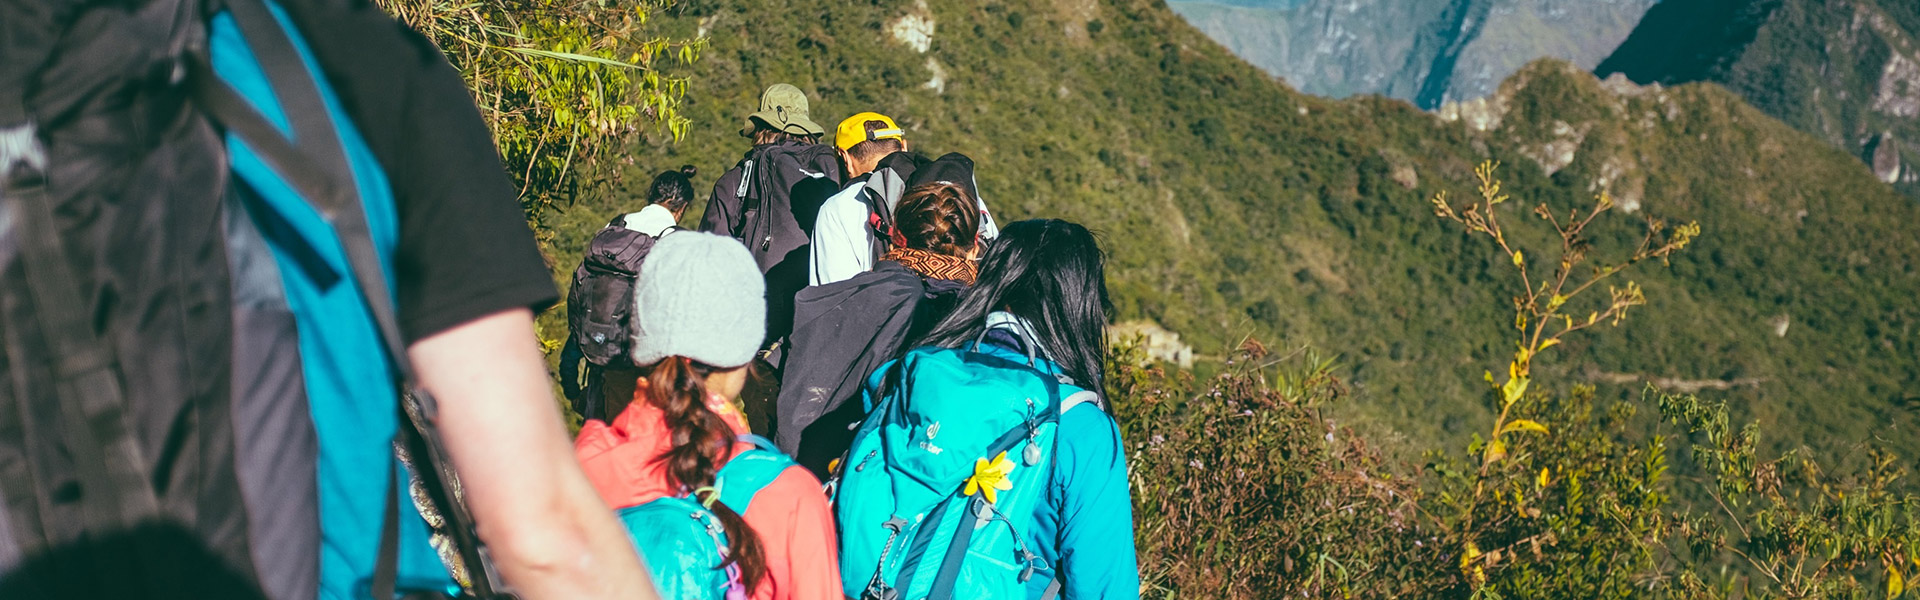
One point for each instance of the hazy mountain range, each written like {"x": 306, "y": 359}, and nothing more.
{"x": 1423, "y": 51}
{"x": 1846, "y": 71}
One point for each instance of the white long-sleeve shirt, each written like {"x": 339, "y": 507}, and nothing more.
{"x": 842, "y": 243}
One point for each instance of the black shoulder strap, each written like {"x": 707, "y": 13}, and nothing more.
{"x": 116, "y": 492}
{"x": 314, "y": 163}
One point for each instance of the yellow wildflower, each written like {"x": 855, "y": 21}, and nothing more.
{"x": 990, "y": 476}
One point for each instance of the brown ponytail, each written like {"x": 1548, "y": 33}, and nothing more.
{"x": 702, "y": 442}
{"x": 938, "y": 218}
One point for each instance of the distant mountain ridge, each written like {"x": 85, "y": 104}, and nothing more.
{"x": 1846, "y": 71}
{"x": 1427, "y": 52}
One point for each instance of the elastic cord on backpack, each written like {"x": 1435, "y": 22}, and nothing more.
{"x": 706, "y": 496}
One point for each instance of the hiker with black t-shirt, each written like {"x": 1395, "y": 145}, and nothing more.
{"x": 599, "y": 303}
{"x": 259, "y": 255}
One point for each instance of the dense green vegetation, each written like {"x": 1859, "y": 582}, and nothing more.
{"x": 1245, "y": 488}
{"x": 1232, "y": 205}
{"x": 1397, "y": 441}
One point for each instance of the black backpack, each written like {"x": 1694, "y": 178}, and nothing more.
{"x": 600, "y": 299}
{"x": 780, "y": 192}
{"x": 136, "y": 338}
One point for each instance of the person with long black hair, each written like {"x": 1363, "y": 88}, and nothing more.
{"x": 992, "y": 436}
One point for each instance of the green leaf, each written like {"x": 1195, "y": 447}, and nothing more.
{"x": 1513, "y": 390}
{"x": 1896, "y": 584}
{"x": 569, "y": 56}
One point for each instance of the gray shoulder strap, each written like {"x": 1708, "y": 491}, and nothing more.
{"x": 1079, "y": 398}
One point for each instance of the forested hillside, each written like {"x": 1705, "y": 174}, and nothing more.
{"x": 1846, "y": 71}
{"x": 1233, "y": 205}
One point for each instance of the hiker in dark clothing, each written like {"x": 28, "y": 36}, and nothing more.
{"x": 846, "y": 329}
{"x": 781, "y": 121}
{"x": 770, "y": 199}
{"x": 599, "y": 301}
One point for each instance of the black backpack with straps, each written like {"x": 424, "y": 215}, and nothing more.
{"x": 125, "y": 291}
{"x": 780, "y": 191}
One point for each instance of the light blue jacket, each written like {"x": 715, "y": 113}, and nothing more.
{"x": 1085, "y": 527}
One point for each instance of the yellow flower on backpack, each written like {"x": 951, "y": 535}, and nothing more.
{"x": 990, "y": 476}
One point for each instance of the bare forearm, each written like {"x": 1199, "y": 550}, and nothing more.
{"x": 547, "y": 528}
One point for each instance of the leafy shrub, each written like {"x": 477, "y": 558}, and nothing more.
{"x": 1245, "y": 489}
{"x": 562, "y": 83}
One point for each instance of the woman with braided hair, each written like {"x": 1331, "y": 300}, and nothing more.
{"x": 699, "y": 317}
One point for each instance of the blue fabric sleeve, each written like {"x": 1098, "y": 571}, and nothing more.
{"x": 1095, "y": 553}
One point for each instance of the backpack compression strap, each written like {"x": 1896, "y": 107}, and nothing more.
{"x": 116, "y": 492}
{"x": 316, "y": 166}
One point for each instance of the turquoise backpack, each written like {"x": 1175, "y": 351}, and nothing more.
{"x": 683, "y": 542}
{"x": 911, "y": 525}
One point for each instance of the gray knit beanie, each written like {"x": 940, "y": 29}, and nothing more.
{"x": 699, "y": 296}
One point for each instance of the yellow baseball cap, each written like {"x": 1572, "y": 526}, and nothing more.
{"x": 854, "y": 130}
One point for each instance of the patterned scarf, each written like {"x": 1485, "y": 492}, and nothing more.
{"x": 935, "y": 266}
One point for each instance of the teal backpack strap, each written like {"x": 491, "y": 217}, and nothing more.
{"x": 750, "y": 471}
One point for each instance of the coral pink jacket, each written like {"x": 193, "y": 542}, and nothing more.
{"x": 790, "y": 515}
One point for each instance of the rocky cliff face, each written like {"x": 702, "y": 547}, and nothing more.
{"x": 1846, "y": 71}
{"x": 1424, "y": 51}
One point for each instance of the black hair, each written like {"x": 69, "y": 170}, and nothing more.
{"x": 672, "y": 190}
{"x": 1053, "y": 274}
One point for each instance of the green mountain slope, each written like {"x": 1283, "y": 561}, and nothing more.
{"x": 1846, "y": 71}
{"x": 1231, "y": 204}
{"x": 1423, "y": 51}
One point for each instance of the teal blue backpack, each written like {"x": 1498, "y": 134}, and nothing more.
{"x": 683, "y": 542}
{"x": 920, "y": 513}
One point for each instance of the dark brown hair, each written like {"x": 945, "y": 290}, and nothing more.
{"x": 938, "y": 218}
{"x": 871, "y": 149}
{"x": 764, "y": 133}
{"x": 702, "y": 442}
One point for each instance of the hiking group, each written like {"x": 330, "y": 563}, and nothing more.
{"x": 266, "y": 319}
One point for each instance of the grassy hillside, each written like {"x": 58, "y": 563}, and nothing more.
{"x": 1233, "y": 205}
{"x": 1846, "y": 71}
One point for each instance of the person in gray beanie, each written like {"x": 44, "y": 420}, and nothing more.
{"x": 699, "y": 296}
{"x": 699, "y": 315}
